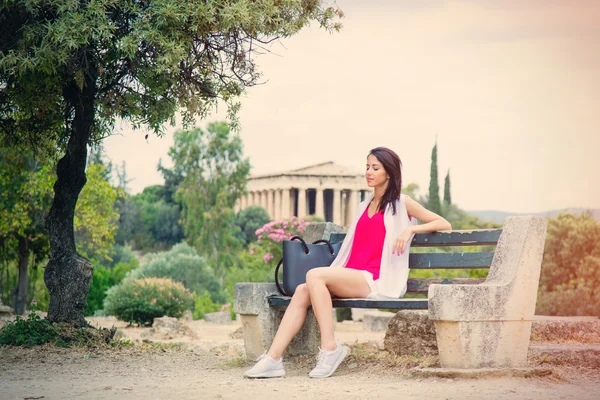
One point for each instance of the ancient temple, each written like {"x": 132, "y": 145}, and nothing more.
{"x": 325, "y": 190}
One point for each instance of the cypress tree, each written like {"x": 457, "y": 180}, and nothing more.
{"x": 447, "y": 197}
{"x": 434, "y": 188}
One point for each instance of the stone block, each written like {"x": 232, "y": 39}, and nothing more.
{"x": 320, "y": 230}
{"x": 489, "y": 325}
{"x": 219, "y": 317}
{"x": 410, "y": 333}
{"x": 260, "y": 322}
{"x": 376, "y": 321}
{"x": 483, "y": 344}
{"x": 359, "y": 313}
{"x": 166, "y": 328}
{"x": 6, "y": 309}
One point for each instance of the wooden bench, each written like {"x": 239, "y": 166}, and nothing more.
{"x": 427, "y": 261}
{"x": 479, "y": 323}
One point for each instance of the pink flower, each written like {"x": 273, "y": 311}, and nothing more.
{"x": 267, "y": 257}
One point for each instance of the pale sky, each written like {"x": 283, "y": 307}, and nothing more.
{"x": 511, "y": 90}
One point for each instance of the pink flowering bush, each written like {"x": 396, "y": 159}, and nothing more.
{"x": 270, "y": 236}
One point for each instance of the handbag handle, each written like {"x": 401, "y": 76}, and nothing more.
{"x": 331, "y": 251}
{"x": 277, "y": 278}
{"x": 303, "y": 243}
{"x": 279, "y": 287}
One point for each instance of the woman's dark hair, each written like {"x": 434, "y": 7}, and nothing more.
{"x": 393, "y": 166}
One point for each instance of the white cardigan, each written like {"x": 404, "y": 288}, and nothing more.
{"x": 393, "y": 274}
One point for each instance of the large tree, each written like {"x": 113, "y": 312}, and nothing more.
{"x": 213, "y": 175}
{"x": 70, "y": 69}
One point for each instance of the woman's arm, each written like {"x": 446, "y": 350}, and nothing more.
{"x": 431, "y": 223}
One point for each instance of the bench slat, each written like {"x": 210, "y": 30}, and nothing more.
{"x": 400, "y": 304}
{"x": 421, "y": 285}
{"x": 477, "y": 237}
{"x": 450, "y": 260}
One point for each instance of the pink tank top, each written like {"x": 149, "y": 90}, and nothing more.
{"x": 367, "y": 246}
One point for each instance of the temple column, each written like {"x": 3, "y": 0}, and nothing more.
{"x": 319, "y": 204}
{"x": 277, "y": 204}
{"x": 351, "y": 204}
{"x": 301, "y": 203}
{"x": 337, "y": 202}
{"x": 263, "y": 200}
{"x": 286, "y": 211}
{"x": 269, "y": 205}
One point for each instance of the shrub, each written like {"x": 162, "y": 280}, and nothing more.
{"x": 272, "y": 234}
{"x": 142, "y": 300}
{"x": 204, "y": 305}
{"x": 35, "y": 331}
{"x": 29, "y": 332}
{"x": 570, "y": 275}
{"x": 574, "y": 298}
{"x": 181, "y": 264}
{"x": 249, "y": 220}
{"x": 103, "y": 279}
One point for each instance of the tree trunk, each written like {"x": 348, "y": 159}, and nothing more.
{"x": 21, "y": 299}
{"x": 68, "y": 274}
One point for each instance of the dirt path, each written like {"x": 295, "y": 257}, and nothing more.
{"x": 210, "y": 367}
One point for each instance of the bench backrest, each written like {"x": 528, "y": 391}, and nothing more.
{"x": 456, "y": 260}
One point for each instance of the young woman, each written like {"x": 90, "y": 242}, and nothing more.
{"x": 372, "y": 263}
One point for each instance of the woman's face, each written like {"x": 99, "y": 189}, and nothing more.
{"x": 375, "y": 173}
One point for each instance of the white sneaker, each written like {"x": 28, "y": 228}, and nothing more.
{"x": 328, "y": 361}
{"x": 266, "y": 367}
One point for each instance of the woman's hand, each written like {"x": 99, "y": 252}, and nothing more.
{"x": 401, "y": 241}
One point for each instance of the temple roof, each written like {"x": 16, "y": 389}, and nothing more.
{"x": 328, "y": 168}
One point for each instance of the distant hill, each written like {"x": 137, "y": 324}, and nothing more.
{"x": 498, "y": 216}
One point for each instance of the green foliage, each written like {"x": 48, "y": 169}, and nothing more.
{"x": 569, "y": 299}
{"x": 249, "y": 220}
{"x": 35, "y": 331}
{"x": 411, "y": 191}
{"x": 214, "y": 177}
{"x": 25, "y": 196}
{"x": 204, "y": 305}
{"x": 252, "y": 268}
{"x": 460, "y": 219}
{"x": 103, "y": 279}
{"x": 142, "y": 300}
{"x": 95, "y": 216}
{"x": 181, "y": 264}
{"x": 570, "y": 276}
{"x": 29, "y": 332}
{"x": 434, "y": 204}
{"x": 447, "y": 195}
{"x": 142, "y": 61}
{"x": 149, "y": 221}
{"x": 343, "y": 314}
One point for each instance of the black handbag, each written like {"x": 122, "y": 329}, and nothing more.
{"x": 299, "y": 257}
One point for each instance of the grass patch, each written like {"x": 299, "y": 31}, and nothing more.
{"x": 235, "y": 362}
{"x": 35, "y": 331}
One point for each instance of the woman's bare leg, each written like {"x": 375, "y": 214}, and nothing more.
{"x": 326, "y": 281}
{"x": 292, "y": 321}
